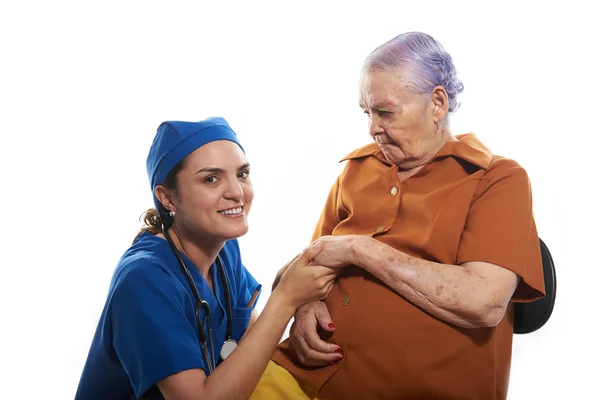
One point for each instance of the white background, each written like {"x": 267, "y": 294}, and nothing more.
{"x": 84, "y": 85}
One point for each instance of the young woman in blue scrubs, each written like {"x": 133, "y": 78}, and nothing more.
{"x": 148, "y": 342}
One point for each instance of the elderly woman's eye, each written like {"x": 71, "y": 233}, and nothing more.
{"x": 383, "y": 113}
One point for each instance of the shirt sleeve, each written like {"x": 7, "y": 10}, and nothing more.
{"x": 152, "y": 336}
{"x": 331, "y": 214}
{"x": 500, "y": 228}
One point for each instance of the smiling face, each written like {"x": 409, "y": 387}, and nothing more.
{"x": 401, "y": 120}
{"x": 214, "y": 193}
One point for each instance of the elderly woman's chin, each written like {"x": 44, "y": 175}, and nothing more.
{"x": 395, "y": 155}
{"x": 390, "y": 151}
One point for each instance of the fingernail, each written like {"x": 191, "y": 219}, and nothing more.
{"x": 331, "y": 325}
{"x": 338, "y": 358}
{"x": 337, "y": 350}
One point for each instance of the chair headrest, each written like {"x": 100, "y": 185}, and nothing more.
{"x": 530, "y": 317}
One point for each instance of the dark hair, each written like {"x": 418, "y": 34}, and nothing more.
{"x": 153, "y": 219}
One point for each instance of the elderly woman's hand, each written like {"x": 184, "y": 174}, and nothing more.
{"x": 338, "y": 251}
{"x": 310, "y": 349}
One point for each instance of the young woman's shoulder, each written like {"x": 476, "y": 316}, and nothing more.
{"x": 149, "y": 258}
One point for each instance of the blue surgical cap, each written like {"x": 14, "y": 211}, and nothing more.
{"x": 175, "y": 140}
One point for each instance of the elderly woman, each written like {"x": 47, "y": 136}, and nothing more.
{"x": 434, "y": 237}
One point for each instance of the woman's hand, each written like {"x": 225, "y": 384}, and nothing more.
{"x": 310, "y": 349}
{"x": 302, "y": 283}
{"x": 338, "y": 251}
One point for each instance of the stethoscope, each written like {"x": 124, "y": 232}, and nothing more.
{"x": 230, "y": 344}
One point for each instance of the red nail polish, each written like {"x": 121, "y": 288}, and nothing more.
{"x": 331, "y": 363}
{"x": 331, "y": 325}
{"x": 337, "y": 350}
{"x": 338, "y": 358}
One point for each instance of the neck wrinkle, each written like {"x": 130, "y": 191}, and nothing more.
{"x": 404, "y": 174}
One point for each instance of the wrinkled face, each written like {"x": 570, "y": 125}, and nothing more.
{"x": 214, "y": 192}
{"x": 400, "y": 119}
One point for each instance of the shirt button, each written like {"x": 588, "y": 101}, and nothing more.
{"x": 381, "y": 229}
{"x": 394, "y": 190}
{"x": 346, "y": 300}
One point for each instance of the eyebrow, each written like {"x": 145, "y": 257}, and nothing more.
{"x": 377, "y": 106}
{"x": 214, "y": 170}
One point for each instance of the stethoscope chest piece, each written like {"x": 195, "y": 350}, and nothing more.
{"x": 228, "y": 347}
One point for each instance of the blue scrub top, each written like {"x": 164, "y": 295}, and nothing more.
{"x": 148, "y": 328}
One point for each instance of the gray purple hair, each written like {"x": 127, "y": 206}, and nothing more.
{"x": 429, "y": 64}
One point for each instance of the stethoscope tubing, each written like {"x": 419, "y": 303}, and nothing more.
{"x": 200, "y": 303}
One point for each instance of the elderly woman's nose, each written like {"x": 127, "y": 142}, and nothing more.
{"x": 374, "y": 126}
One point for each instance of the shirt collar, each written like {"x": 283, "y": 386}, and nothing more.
{"x": 468, "y": 147}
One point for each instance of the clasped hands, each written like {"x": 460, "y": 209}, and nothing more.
{"x": 337, "y": 252}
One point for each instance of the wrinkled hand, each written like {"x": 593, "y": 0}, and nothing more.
{"x": 338, "y": 251}
{"x": 304, "y": 339}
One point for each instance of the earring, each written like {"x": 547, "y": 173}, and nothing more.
{"x": 437, "y": 125}
{"x": 172, "y": 214}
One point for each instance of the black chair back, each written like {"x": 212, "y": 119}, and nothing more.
{"x": 530, "y": 317}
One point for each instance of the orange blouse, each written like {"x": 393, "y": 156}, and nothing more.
{"x": 464, "y": 205}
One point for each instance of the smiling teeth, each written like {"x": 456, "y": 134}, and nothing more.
{"x": 233, "y": 211}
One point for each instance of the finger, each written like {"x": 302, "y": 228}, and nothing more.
{"x": 294, "y": 342}
{"x": 325, "y": 271}
{"x": 301, "y": 349}
{"x": 313, "y": 342}
{"x": 292, "y": 260}
{"x": 313, "y": 358}
{"x": 321, "y": 239}
{"x": 305, "y": 332}
{"x": 305, "y": 310}
{"x": 324, "y": 318}
{"x": 308, "y": 254}
{"x": 328, "y": 289}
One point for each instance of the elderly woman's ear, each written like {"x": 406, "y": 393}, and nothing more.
{"x": 439, "y": 103}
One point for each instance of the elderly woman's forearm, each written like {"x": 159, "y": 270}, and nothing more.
{"x": 449, "y": 292}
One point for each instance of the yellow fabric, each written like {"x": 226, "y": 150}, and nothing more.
{"x": 278, "y": 384}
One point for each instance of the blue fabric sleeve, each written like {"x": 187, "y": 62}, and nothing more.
{"x": 152, "y": 335}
